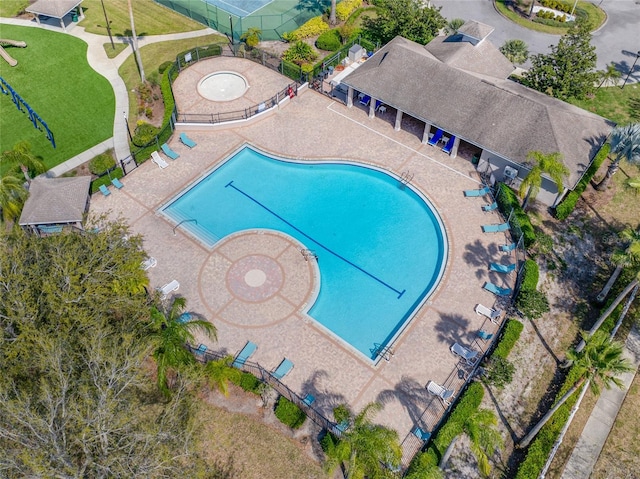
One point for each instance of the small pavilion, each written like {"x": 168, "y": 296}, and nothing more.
{"x": 56, "y": 203}
{"x": 55, "y": 9}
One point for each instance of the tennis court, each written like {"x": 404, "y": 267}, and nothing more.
{"x": 272, "y": 17}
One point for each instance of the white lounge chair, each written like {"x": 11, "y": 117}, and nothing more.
{"x": 492, "y": 314}
{"x": 168, "y": 288}
{"x": 440, "y": 391}
{"x": 157, "y": 159}
{"x": 150, "y": 262}
{"x": 468, "y": 355}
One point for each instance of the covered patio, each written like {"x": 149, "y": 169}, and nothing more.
{"x": 65, "y": 11}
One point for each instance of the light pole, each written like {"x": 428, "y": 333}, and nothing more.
{"x": 126, "y": 122}
{"x": 631, "y": 69}
{"x": 106, "y": 19}
{"x": 231, "y": 26}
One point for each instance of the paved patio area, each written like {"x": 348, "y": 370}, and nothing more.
{"x": 257, "y": 285}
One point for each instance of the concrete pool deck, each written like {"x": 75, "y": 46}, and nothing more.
{"x": 254, "y": 286}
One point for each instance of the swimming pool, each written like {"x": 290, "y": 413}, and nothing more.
{"x": 381, "y": 246}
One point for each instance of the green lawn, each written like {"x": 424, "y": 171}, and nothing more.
{"x": 53, "y": 76}
{"x": 615, "y": 103}
{"x": 10, "y": 8}
{"x": 595, "y": 17}
{"x": 150, "y": 18}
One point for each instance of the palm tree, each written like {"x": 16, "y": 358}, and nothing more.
{"x": 218, "y": 374}
{"x": 332, "y": 13}
{"x": 365, "y": 448}
{"x": 21, "y": 155}
{"x": 609, "y": 75}
{"x": 12, "y": 197}
{"x": 485, "y": 438}
{"x": 134, "y": 43}
{"x": 550, "y": 164}
{"x": 252, "y": 36}
{"x": 453, "y": 26}
{"x": 599, "y": 363}
{"x": 623, "y": 258}
{"x": 516, "y": 51}
{"x": 625, "y": 145}
{"x": 168, "y": 336}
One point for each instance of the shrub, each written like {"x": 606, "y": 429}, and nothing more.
{"x": 289, "y": 414}
{"x": 530, "y": 276}
{"x": 299, "y": 53}
{"x": 499, "y": 371}
{"x": 314, "y": 26}
{"x": 329, "y": 40}
{"x": 328, "y": 443}
{"x": 510, "y": 335}
{"x": 163, "y": 67}
{"x": 145, "y": 133}
{"x": 346, "y": 8}
{"x": 508, "y": 201}
{"x": 564, "y": 209}
{"x": 532, "y": 304}
{"x": 247, "y": 381}
{"x": 101, "y": 164}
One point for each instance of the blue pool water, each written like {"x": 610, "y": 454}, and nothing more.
{"x": 381, "y": 248}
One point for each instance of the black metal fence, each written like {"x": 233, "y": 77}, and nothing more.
{"x": 267, "y": 377}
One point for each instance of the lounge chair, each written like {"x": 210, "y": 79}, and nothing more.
{"x": 309, "y": 399}
{"x": 157, "y": 159}
{"x": 440, "y": 391}
{"x": 244, "y": 354}
{"x": 502, "y": 268}
{"x": 492, "y": 314}
{"x": 496, "y": 289}
{"x": 365, "y": 100}
{"x": 378, "y": 103}
{"x": 436, "y": 137}
{"x": 186, "y": 141}
{"x": 116, "y": 182}
{"x": 508, "y": 248}
{"x": 169, "y": 152}
{"x": 184, "y": 318}
{"x": 343, "y": 426}
{"x": 168, "y": 288}
{"x": 421, "y": 434}
{"x": 484, "y": 335}
{"x": 490, "y": 207}
{"x": 495, "y": 228}
{"x": 284, "y": 368}
{"x": 480, "y": 192}
{"x": 104, "y": 190}
{"x": 150, "y": 262}
{"x": 201, "y": 349}
{"x": 447, "y": 148}
{"x": 469, "y": 356}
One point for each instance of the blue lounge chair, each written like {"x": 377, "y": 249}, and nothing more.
{"x": 116, "y": 182}
{"x": 184, "y": 318}
{"x": 484, "y": 335}
{"x": 502, "y": 268}
{"x": 436, "y": 137}
{"x": 495, "y": 228}
{"x": 343, "y": 426}
{"x": 421, "y": 434}
{"x": 490, "y": 207}
{"x": 187, "y": 141}
{"x": 508, "y": 248}
{"x": 378, "y": 103}
{"x": 481, "y": 192}
{"x": 309, "y": 399}
{"x": 283, "y": 369}
{"x": 169, "y": 152}
{"x": 201, "y": 349}
{"x": 365, "y": 100}
{"x": 447, "y": 148}
{"x": 104, "y": 190}
{"x": 496, "y": 289}
{"x": 244, "y": 354}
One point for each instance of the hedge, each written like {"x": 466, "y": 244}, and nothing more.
{"x": 566, "y": 207}
{"x": 510, "y": 335}
{"x": 508, "y": 201}
{"x": 289, "y": 414}
{"x": 314, "y": 26}
{"x": 346, "y": 8}
{"x": 530, "y": 276}
{"x": 468, "y": 403}
{"x": 329, "y": 41}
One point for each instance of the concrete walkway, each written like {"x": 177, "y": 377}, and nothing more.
{"x": 108, "y": 68}
{"x": 587, "y": 450}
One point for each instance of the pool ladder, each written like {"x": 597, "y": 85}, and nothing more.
{"x": 307, "y": 254}
{"x": 405, "y": 178}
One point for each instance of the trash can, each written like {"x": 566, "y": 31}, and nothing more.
{"x": 330, "y": 70}
{"x": 74, "y": 18}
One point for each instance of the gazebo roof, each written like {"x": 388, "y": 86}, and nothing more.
{"x": 53, "y": 8}
{"x": 56, "y": 200}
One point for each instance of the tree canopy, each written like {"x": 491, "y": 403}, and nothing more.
{"x": 569, "y": 70}
{"x": 410, "y": 19}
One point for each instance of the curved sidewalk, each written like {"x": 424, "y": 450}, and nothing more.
{"x": 108, "y": 68}
{"x": 588, "y": 448}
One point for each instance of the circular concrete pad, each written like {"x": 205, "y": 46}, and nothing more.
{"x": 223, "y": 86}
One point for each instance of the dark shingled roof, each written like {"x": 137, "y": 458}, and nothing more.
{"x": 500, "y": 116}
{"x": 56, "y": 200}
{"x": 53, "y": 8}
